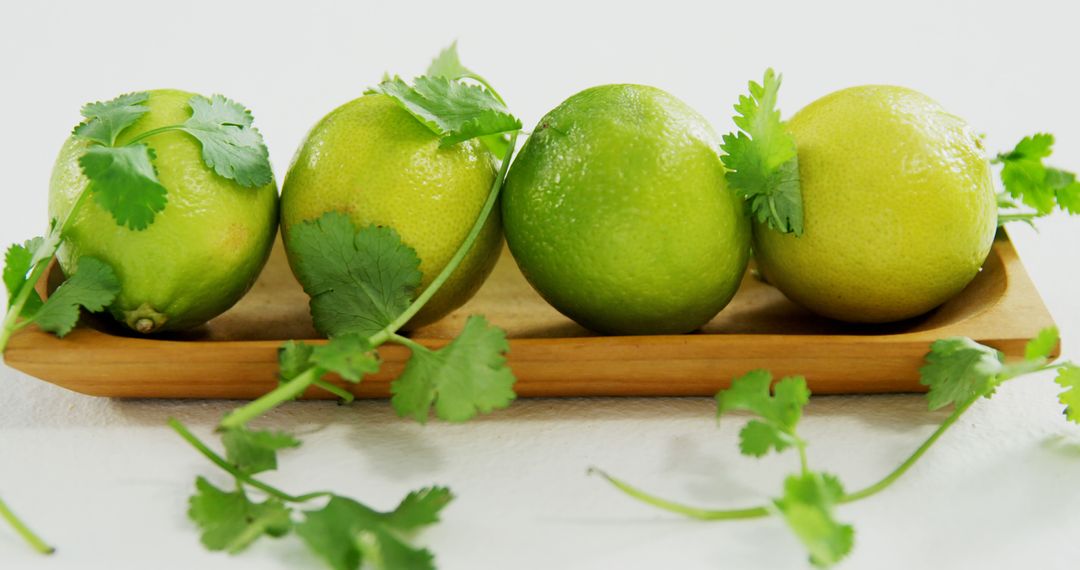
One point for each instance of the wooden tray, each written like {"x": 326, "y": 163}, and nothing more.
{"x": 235, "y": 355}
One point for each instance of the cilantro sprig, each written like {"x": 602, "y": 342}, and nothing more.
{"x": 1033, "y": 189}
{"x": 958, "y": 373}
{"x": 762, "y": 159}
{"x": 362, "y": 283}
{"x": 363, "y": 286}
{"x": 343, "y": 532}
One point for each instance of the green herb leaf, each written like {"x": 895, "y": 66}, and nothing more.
{"x": 348, "y": 356}
{"x": 1069, "y": 378}
{"x": 124, "y": 182}
{"x": 1042, "y": 345}
{"x": 293, "y": 359}
{"x": 93, "y": 286}
{"x": 807, "y": 507}
{"x": 358, "y": 281}
{"x": 960, "y": 370}
{"x": 1028, "y": 179}
{"x": 420, "y": 508}
{"x": 18, "y": 261}
{"x": 465, "y": 377}
{"x": 230, "y": 145}
{"x": 780, "y": 411}
{"x": 106, "y": 120}
{"x": 346, "y": 533}
{"x": 453, "y": 110}
{"x": 253, "y": 452}
{"x": 762, "y": 159}
{"x": 448, "y": 65}
{"x": 231, "y": 521}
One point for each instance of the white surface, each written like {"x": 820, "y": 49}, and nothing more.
{"x": 107, "y": 482}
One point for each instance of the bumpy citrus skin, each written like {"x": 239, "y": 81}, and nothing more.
{"x": 372, "y": 160}
{"x": 201, "y": 254}
{"x": 899, "y": 207}
{"x": 617, "y": 212}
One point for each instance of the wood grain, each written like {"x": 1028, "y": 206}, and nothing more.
{"x": 235, "y": 355}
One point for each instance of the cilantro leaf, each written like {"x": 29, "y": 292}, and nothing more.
{"x": 448, "y": 65}
{"x": 1028, "y": 179}
{"x": 348, "y": 356}
{"x": 780, "y": 412}
{"x": 1069, "y": 378}
{"x": 358, "y": 281}
{"x": 762, "y": 159}
{"x": 106, "y": 120}
{"x": 453, "y": 110}
{"x": 231, "y": 521}
{"x": 807, "y": 507}
{"x": 124, "y": 182}
{"x": 1042, "y": 345}
{"x": 346, "y": 533}
{"x": 293, "y": 359}
{"x": 465, "y": 377}
{"x": 959, "y": 370}
{"x": 420, "y": 508}
{"x": 230, "y": 145}
{"x": 253, "y": 452}
{"x": 94, "y": 286}
{"x": 18, "y": 262}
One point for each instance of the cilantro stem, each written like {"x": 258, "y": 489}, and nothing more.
{"x": 152, "y": 132}
{"x": 345, "y": 395}
{"x": 896, "y": 473}
{"x": 239, "y": 475}
{"x": 287, "y": 391}
{"x": 406, "y": 341}
{"x": 692, "y": 512}
{"x": 24, "y": 531}
{"x": 459, "y": 255}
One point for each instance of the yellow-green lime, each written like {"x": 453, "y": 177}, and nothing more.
{"x": 899, "y": 207}
{"x": 201, "y": 254}
{"x": 375, "y": 162}
{"x": 617, "y": 212}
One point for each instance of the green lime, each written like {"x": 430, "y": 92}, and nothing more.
{"x": 899, "y": 207}
{"x": 201, "y": 254}
{"x": 375, "y": 162}
{"x": 617, "y": 213}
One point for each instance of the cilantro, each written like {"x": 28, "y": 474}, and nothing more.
{"x": 807, "y": 507}
{"x": 124, "y": 182}
{"x": 93, "y": 286}
{"x": 253, "y": 452}
{"x": 345, "y": 533}
{"x": 1069, "y": 378}
{"x": 958, "y": 371}
{"x": 358, "y": 281}
{"x": 779, "y": 413}
{"x": 18, "y": 261}
{"x": 454, "y": 110}
{"x": 467, "y": 376}
{"x": 1028, "y": 179}
{"x": 231, "y": 146}
{"x": 24, "y": 531}
{"x": 231, "y": 521}
{"x": 448, "y": 65}
{"x": 349, "y": 356}
{"x": 106, "y": 120}
{"x": 762, "y": 159}
{"x": 294, "y": 358}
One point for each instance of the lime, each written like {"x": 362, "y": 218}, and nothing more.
{"x": 375, "y": 162}
{"x": 201, "y": 254}
{"x": 617, "y": 213}
{"x": 899, "y": 207}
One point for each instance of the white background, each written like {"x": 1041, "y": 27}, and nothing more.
{"x": 107, "y": 482}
